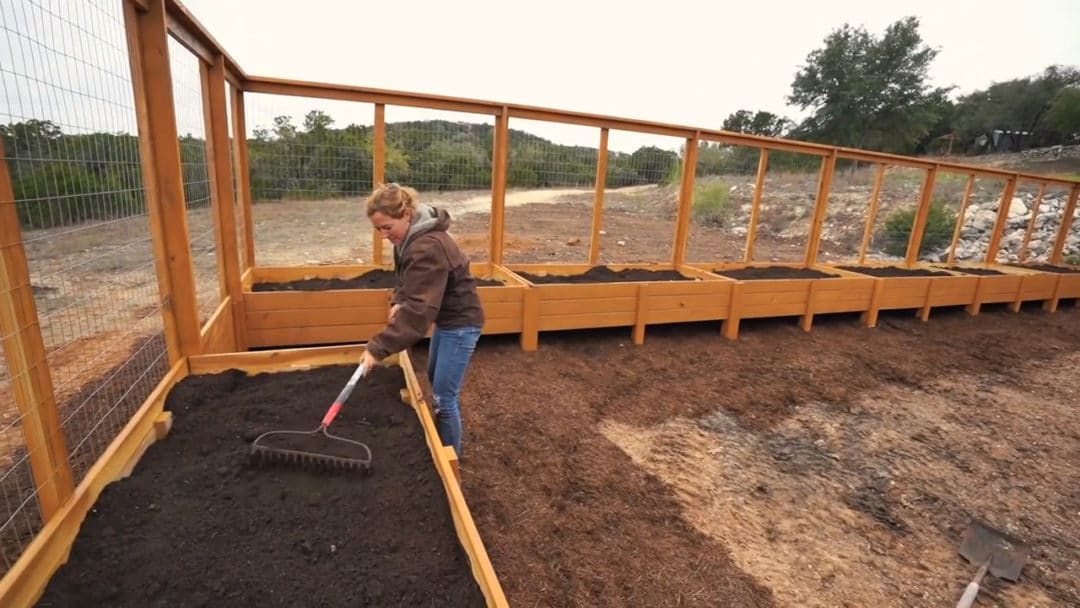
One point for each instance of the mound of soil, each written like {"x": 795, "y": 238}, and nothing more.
{"x": 894, "y": 271}
{"x": 1048, "y": 268}
{"x": 774, "y": 272}
{"x": 604, "y": 274}
{"x": 968, "y": 270}
{"x": 374, "y": 279}
{"x": 198, "y": 524}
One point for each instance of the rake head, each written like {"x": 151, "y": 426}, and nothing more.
{"x": 316, "y": 450}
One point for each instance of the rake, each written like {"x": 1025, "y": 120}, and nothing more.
{"x": 317, "y": 449}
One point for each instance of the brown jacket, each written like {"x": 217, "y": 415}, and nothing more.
{"x": 434, "y": 285}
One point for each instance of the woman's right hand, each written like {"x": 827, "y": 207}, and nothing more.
{"x": 393, "y": 311}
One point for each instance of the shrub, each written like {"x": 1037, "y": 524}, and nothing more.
{"x": 940, "y": 223}
{"x": 711, "y": 203}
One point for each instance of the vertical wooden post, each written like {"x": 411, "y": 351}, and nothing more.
{"x": 598, "y": 201}
{"x": 755, "y": 208}
{"x": 1031, "y": 222}
{"x": 1066, "y": 225}
{"x": 378, "y": 153}
{"x": 918, "y": 227}
{"x": 1002, "y": 219}
{"x": 500, "y": 159}
{"x": 24, "y": 350}
{"x": 960, "y": 218}
{"x": 821, "y": 206}
{"x": 151, "y": 77}
{"x": 222, "y": 193}
{"x": 871, "y": 215}
{"x": 243, "y": 177}
{"x": 686, "y": 200}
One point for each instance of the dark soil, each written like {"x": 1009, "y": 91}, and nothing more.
{"x": 967, "y": 270}
{"x": 374, "y": 279}
{"x": 604, "y": 274}
{"x": 198, "y": 524}
{"x": 775, "y": 272}
{"x": 1048, "y": 268}
{"x": 894, "y": 271}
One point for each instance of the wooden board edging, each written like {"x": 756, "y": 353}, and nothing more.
{"x": 27, "y": 580}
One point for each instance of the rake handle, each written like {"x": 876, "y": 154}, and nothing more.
{"x": 972, "y": 589}
{"x": 343, "y": 396}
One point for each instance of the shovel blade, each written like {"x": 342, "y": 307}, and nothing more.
{"x": 1007, "y": 554}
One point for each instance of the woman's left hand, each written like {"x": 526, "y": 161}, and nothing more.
{"x": 369, "y": 361}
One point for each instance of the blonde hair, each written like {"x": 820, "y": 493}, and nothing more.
{"x": 392, "y": 200}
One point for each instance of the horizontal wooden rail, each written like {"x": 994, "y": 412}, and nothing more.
{"x": 280, "y": 86}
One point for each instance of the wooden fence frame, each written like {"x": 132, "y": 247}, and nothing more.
{"x": 148, "y": 26}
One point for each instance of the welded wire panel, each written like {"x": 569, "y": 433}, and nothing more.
{"x": 725, "y": 191}
{"x": 68, "y": 118}
{"x": 191, "y": 128}
{"x": 786, "y": 209}
{"x": 550, "y": 191}
{"x": 446, "y": 157}
{"x": 311, "y": 163}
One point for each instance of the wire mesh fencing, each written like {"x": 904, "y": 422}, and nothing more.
{"x": 191, "y": 128}
{"x": 310, "y": 162}
{"x": 725, "y": 191}
{"x": 550, "y": 190}
{"x": 447, "y": 157}
{"x": 69, "y": 125}
{"x": 788, "y": 200}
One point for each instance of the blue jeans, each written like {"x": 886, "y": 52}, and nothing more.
{"x": 449, "y": 354}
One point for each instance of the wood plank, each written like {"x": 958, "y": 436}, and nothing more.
{"x": 379, "y": 173}
{"x": 500, "y": 295}
{"x": 1066, "y": 225}
{"x": 596, "y": 305}
{"x": 322, "y": 90}
{"x": 1031, "y": 223}
{"x": 958, "y": 228}
{"x": 821, "y": 206}
{"x": 686, "y": 200}
{"x": 499, "y": 167}
{"x": 768, "y": 286}
{"x": 680, "y": 315}
{"x": 163, "y": 174}
{"x": 259, "y": 301}
{"x": 294, "y": 336}
{"x": 25, "y": 583}
{"x": 27, "y": 368}
{"x": 222, "y": 197}
{"x": 755, "y": 205}
{"x": 587, "y": 320}
{"x": 922, "y": 213}
{"x": 530, "y": 320}
{"x": 218, "y": 335}
{"x": 243, "y": 177}
{"x": 871, "y": 215}
{"x": 285, "y": 359}
{"x": 586, "y": 291}
{"x": 502, "y": 325}
{"x": 284, "y": 274}
{"x": 637, "y": 336}
{"x": 1002, "y": 220}
{"x": 316, "y": 317}
{"x": 502, "y": 310}
{"x": 180, "y": 16}
{"x": 479, "y": 561}
{"x": 598, "y": 199}
{"x": 659, "y": 302}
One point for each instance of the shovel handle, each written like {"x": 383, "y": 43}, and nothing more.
{"x": 972, "y": 589}
{"x": 343, "y": 396}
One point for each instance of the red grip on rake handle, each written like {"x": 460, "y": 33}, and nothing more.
{"x": 331, "y": 413}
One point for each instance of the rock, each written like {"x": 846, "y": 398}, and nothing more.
{"x": 739, "y": 231}
{"x": 1017, "y": 208}
{"x": 621, "y": 243}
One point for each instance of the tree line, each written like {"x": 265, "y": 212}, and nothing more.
{"x": 864, "y": 91}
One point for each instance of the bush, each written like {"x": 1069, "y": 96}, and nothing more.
{"x": 940, "y": 223}
{"x": 711, "y": 203}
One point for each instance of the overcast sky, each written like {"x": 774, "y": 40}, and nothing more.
{"x": 679, "y": 61}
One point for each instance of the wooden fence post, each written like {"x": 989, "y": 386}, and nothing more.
{"x": 499, "y": 165}
{"x": 1002, "y": 219}
{"x": 918, "y": 227}
{"x": 821, "y": 206}
{"x": 1066, "y": 225}
{"x": 24, "y": 350}
{"x": 222, "y": 197}
{"x": 598, "y": 200}
{"x": 686, "y": 200}
{"x": 243, "y": 177}
{"x": 378, "y": 157}
{"x": 151, "y": 78}
{"x": 755, "y": 206}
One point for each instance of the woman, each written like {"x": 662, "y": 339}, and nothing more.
{"x": 434, "y": 286}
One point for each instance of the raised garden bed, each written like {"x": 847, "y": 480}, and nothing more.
{"x": 918, "y": 287}
{"x": 192, "y": 521}
{"x": 1066, "y": 283}
{"x": 784, "y": 290}
{"x": 579, "y": 296}
{"x": 316, "y": 305}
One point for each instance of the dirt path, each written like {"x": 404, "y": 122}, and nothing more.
{"x": 786, "y": 469}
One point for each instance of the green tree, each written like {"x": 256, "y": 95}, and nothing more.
{"x": 869, "y": 92}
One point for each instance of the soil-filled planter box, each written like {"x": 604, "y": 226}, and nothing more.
{"x": 784, "y": 290}
{"x": 192, "y": 520}
{"x": 921, "y": 287}
{"x": 999, "y": 283}
{"x": 580, "y": 296}
{"x": 1066, "y": 278}
{"x": 312, "y": 305}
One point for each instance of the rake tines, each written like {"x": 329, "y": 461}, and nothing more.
{"x": 307, "y": 458}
